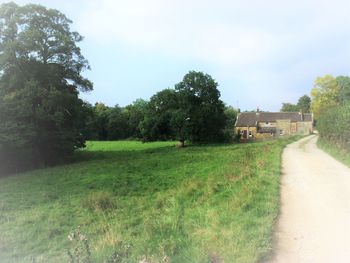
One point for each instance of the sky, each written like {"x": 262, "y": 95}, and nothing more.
{"x": 261, "y": 53}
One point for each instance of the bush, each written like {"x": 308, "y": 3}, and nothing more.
{"x": 99, "y": 201}
{"x": 334, "y": 126}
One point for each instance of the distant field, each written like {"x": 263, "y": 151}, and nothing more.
{"x": 197, "y": 204}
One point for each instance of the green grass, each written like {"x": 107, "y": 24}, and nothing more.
{"x": 337, "y": 152}
{"x": 196, "y": 204}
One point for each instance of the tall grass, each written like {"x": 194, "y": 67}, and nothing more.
{"x": 198, "y": 204}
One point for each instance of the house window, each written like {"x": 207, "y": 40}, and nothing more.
{"x": 281, "y": 132}
{"x": 250, "y": 134}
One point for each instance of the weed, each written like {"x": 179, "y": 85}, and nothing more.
{"x": 99, "y": 201}
{"x": 80, "y": 249}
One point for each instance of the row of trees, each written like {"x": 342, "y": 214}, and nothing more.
{"x": 42, "y": 118}
{"x": 303, "y": 105}
{"x": 191, "y": 111}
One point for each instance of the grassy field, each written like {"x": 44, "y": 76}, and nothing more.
{"x": 132, "y": 200}
{"x": 339, "y": 154}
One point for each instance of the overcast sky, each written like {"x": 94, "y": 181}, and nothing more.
{"x": 261, "y": 53}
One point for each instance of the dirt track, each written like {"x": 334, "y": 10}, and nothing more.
{"x": 314, "y": 223}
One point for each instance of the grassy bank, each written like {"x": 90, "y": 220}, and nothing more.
{"x": 338, "y": 153}
{"x": 197, "y": 204}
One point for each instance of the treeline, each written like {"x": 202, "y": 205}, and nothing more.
{"x": 331, "y": 107}
{"x": 191, "y": 111}
{"x": 43, "y": 120}
{"x": 303, "y": 105}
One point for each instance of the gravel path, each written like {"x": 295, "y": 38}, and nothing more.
{"x": 314, "y": 223}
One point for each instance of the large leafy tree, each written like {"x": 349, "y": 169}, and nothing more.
{"x": 304, "y": 103}
{"x": 325, "y": 94}
{"x": 193, "y": 111}
{"x": 157, "y": 122}
{"x": 40, "y": 78}
{"x": 200, "y": 117}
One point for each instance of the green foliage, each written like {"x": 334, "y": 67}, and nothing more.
{"x": 334, "y": 126}
{"x": 136, "y": 112}
{"x": 288, "y": 107}
{"x": 156, "y": 124}
{"x": 344, "y": 89}
{"x": 231, "y": 116}
{"x": 191, "y": 205}
{"x": 116, "y": 123}
{"x": 324, "y": 95}
{"x": 193, "y": 111}
{"x": 118, "y": 127}
{"x": 303, "y": 105}
{"x": 201, "y": 110}
{"x": 41, "y": 116}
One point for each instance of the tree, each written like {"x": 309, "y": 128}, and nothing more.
{"x": 157, "y": 124}
{"x": 304, "y": 104}
{"x": 40, "y": 79}
{"x": 193, "y": 111}
{"x": 344, "y": 88}
{"x": 118, "y": 127}
{"x": 289, "y": 107}
{"x": 325, "y": 94}
{"x": 200, "y": 116}
{"x": 136, "y": 113}
{"x": 231, "y": 116}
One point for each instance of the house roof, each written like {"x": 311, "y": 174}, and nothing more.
{"x": 252, "y": 118}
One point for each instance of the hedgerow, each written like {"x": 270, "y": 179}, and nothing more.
{"x": 334, "y": 126}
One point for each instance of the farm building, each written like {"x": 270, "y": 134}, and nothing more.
{"x": 261, "y": 125}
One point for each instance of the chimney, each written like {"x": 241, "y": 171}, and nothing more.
{"x": 257, "y": 109}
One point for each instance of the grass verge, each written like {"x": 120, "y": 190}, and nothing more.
{"x": 214, "y": 203}
{"x": 338, "y": 153}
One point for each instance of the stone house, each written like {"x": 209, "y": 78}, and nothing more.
{"x": 261, "y": 125}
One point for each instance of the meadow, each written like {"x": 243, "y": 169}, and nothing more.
{"x": 131, "y": 201}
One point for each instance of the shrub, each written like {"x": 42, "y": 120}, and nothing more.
{"x": 334, "y": 126}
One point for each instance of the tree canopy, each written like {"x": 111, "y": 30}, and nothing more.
{"x": 192, "y": 111}
{"x": 40, "y": 78}
{"x": 302, "y": 105}
{"x": 325, "y": 94}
